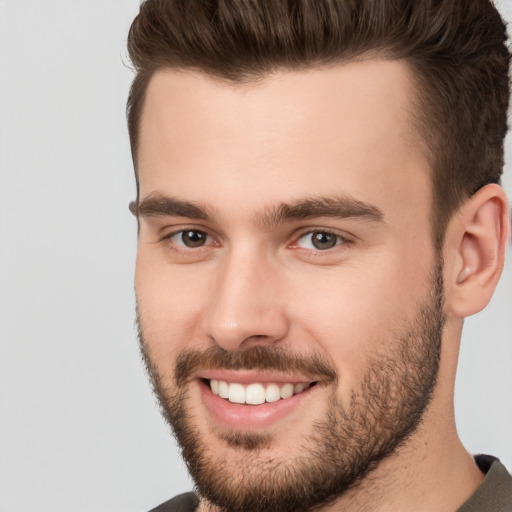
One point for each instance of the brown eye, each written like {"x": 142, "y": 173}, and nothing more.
{"x": 323, "y": 240}
{"x": 191, "y": 238}
{"x": 319, "y": 240}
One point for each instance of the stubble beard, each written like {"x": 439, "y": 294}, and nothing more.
{"x": 340, "y": 450}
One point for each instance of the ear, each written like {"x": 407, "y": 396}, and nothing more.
{"x": 474, "y": 251}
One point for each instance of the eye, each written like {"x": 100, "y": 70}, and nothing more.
{"x": 190, "y": 238}
{"x": 319, "y": 240}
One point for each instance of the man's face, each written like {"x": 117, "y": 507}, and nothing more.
{"x": 289, "y": 298}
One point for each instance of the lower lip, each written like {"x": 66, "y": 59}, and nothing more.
{"x": 250, "y": 417}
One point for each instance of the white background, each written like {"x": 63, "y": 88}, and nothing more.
{"x": 79, "y": 429}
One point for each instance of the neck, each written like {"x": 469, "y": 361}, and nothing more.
{"x": 434, "y": 475}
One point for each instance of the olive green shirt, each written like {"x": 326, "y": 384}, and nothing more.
{"x": 494, "y": 494}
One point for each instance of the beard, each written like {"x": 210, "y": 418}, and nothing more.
{"x": 341, "y": 449}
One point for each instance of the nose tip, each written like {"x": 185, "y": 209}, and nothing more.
{"x": 244, "y": 332}
{"x": 246, "y": 309}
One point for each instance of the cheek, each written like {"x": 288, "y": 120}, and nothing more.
{"x": 354, "y": 314}
{"x": 169, "y": 306}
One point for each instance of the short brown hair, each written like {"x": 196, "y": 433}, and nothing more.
{"x": 455, "y": 48}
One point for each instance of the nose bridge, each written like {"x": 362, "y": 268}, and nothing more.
{"x": 244, "y": 307}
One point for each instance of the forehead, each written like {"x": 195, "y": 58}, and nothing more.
{"x": 345, "y": 129}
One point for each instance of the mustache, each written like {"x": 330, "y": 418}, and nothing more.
{"x": 262, "y": 358}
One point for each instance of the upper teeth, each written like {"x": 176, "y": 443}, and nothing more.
{"x": 256, "y": 393}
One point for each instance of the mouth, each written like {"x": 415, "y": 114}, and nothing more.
{"x": 249, "y": 401}
{"x": 256, "y": 393}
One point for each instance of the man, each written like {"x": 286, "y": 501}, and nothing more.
{"x": 319, "y": 208}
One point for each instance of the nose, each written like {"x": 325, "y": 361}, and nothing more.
{"x": 245, "y": 308}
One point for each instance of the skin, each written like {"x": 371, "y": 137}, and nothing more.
{"x": 240, "y": 152}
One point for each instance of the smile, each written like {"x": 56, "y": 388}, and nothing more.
{"x": 256, "y": 393}
{"x": 251, "y": 400}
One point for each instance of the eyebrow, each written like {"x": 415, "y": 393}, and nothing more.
{"x": 338, "y": 207}
{"x": 158, "y": 205}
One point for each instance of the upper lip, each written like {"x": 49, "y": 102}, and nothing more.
{"x": 250, "y": 376}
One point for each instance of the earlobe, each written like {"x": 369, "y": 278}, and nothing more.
{"x": 478, "y": 239}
